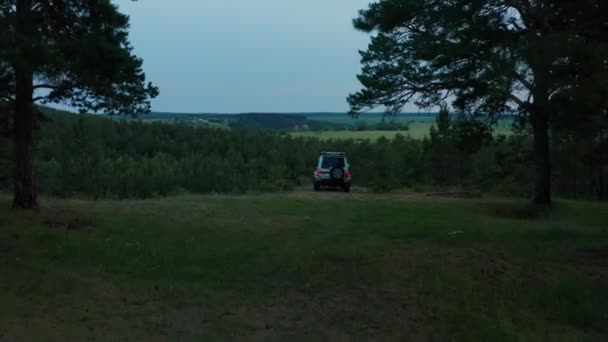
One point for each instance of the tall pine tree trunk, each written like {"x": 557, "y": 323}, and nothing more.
{"x": 542, "y": 189}
{"x": 25, "y": 185}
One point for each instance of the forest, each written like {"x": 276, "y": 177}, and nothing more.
{"x": 98, "y": 157}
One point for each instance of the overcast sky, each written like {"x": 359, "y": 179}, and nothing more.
{"x": 234, "y": 56}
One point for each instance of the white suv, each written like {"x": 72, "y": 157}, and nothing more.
{"x": 332, "y": 170}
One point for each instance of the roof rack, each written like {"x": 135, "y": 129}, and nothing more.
{"x": 336, "y": 153}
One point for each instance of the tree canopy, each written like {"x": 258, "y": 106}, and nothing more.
{"x": 78, "y": 52}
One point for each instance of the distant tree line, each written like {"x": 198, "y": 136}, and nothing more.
{"x": 97, "y": 157}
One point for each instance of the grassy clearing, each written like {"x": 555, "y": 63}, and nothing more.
{"x": 303, "y": 266}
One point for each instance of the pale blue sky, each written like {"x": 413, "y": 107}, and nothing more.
{"x": 235, "y": 56}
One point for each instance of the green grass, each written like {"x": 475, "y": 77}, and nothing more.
{"x": 303, "y": 267}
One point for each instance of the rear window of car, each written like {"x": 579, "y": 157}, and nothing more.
{"x": 329, "y": 162}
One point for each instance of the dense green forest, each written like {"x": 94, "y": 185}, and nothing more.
{"x": 93, "y": 156}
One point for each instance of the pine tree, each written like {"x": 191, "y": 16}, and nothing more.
{"x": 492, "y": 57}
{"x": 64, "y": 51}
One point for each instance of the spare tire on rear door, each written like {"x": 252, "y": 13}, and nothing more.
{"x": 337, "y": 173}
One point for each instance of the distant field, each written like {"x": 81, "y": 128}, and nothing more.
{"x": 357, "y": 135}
{"x": 371, "y": 119}
{"x": 417, "y": 130}
{"x": 319, "y": 125}
{"x": 289, "y": 121}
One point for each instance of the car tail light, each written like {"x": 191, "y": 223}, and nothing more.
{"x": 319, "y": 171}
{"x": 347, "y": 172}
